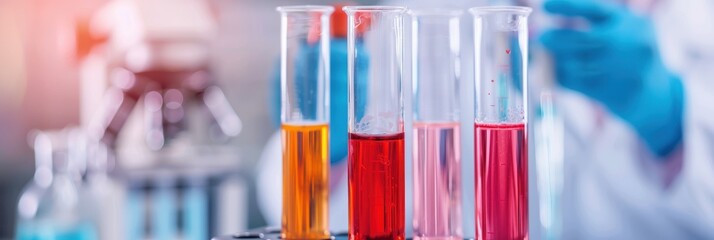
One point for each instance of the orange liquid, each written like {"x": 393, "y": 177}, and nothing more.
{"x": 305, "y": 181}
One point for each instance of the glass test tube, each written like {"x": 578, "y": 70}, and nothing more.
{"x": 376, "y": 128}
{"x": 437, "y": 143}
{"x": 163, "y": 212}
{"x": 195, "y": 209}
{"x": 304, "y": 86}
{"x": 547, "y": 125}
{"x": 501, "y": 157}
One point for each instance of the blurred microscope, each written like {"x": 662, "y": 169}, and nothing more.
{"x": 164, "y": 161}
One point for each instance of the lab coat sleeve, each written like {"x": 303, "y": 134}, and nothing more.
{"x": 690, "y": 201}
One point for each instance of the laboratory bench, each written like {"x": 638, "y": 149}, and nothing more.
{"x": 273, "y": 233}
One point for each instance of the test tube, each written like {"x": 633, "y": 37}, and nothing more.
{"x": 546, "y": 123}
{"x": 163, "y": 209}
{"x": 436, "y": 150}
{"x": 195, "y": 209}
{"x": 376, "y": 128}
{"x": 501, "y": 155}
{"x": 304, "y": 86}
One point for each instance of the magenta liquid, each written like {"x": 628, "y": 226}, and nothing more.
{"x": 437, "y": 181}
{"x": 501, "y": 181}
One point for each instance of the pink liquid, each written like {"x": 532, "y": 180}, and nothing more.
{"x": 501, "y": 181}
{"x": 437, "y": 181}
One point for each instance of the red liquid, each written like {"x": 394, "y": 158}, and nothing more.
{"x": 501, "y": 181}
{"x": 376, "y": 186}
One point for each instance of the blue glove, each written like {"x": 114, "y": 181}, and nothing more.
{"x": 616, "y": 62}
{"x": 338, "y": 93}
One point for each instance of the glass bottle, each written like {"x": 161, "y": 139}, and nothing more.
{"x": 54, "y": 205}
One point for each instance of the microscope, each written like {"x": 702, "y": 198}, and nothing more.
{"x": 150, "y": 99}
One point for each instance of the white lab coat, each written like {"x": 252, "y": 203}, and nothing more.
{"x": 613, "y": 187}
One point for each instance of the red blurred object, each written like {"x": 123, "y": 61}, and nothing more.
{"x": 363, "y": 21}
{"x": 338, "y": 23}
{"x": 85, "y": 39}
{"x": 315, "y": 24}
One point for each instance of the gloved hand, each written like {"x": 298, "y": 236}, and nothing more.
{"x": 616, "y": 62}
{"x": 338, "y": 94}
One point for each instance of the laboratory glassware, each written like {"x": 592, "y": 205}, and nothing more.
{"x": 163, "y": 209}
{"x": 501, "y": 149}
{"x": 549, "y": 153}
{"x": 54, "y": 205}
{"x": 195, "y": 208}
{"x": 376, "y": 125}
{"x": 437, "y": 144}
{"x": 304, "y": 85}
{"x": 547, "y": 124}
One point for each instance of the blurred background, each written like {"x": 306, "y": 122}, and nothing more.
{"x": 46, "y": 45}
{"x": 157, "y": 112}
